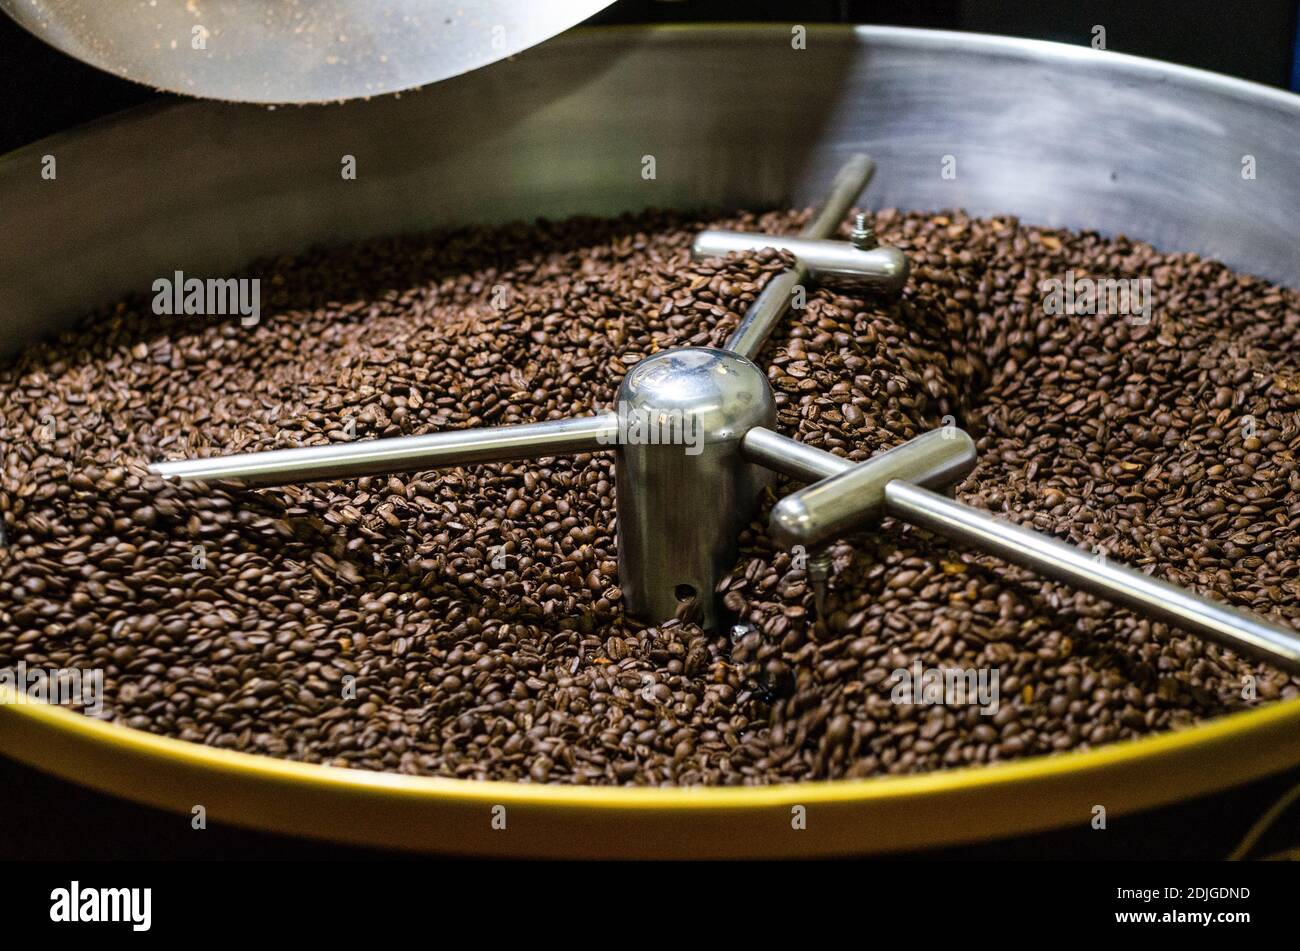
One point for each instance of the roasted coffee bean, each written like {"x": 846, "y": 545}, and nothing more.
{"x": 469, "y": 623}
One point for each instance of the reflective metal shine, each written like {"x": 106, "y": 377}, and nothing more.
{"x": 294, "y": 51}
{"x": 683, "y": 502}
{"x": 1056, "y": 135}
{"x": 458, "y": 447}
{"x": 835, "y": 263}
{"x": 899, "y": 482}
{"x": 1234, "y": 628}
{"x": 855, "y": 498}
{"x": 791, "y": 457}
{"x": 758, "y": 322}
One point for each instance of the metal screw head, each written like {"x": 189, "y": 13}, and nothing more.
{"x": 863, "y": 235}
{"x": 819, "y": 573}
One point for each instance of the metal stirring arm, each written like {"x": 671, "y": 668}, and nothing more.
{"x": 680, "y": 513}
{"x": 900, "y": 483}
{"x": 681, "y": 508}
{"x": 857, "y": 264}
{"x": 835, "y": 260}
{"x": 459, "y": 447}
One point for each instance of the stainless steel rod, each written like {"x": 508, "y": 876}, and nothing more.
{"x": 828, "y": 262}
{"x": 771, "y": 304}
{"x": 853, "y": 176}
{"x": 404, "y": 454}
{"x": 791, "y": 457}
{"x": 765, "y": 313}
{"x": 855, "y": 498}
{"x": 1239, "y": 630}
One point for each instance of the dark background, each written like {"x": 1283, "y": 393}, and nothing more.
{"x": 42, "y": 92}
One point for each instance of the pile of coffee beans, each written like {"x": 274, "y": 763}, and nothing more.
{"x": 468, "y": 622}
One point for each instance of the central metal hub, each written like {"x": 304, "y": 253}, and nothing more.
{"x": 684, "y": 490}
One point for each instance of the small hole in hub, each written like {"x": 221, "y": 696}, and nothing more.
{"x": 685, "y": 592}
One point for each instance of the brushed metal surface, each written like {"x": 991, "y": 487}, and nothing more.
{"x": 899, "y": 482}
{"x": 791, "y": 457}
{"x": 681, "y": 508}
{"x": 734, "y": 117}
{"x": 765, "y": 313}
{"x": 371, "y": 457}
{"x": 291, "y": 51}
{"x": 733, "y": 120}
{"x": 1237, "y": 629}
{"x": 855, "y": 498}
{"x": 832, "y": 262}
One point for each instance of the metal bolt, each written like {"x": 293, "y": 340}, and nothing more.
{"x": 819, "y": 573}
{"x": 863, "y": 235}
